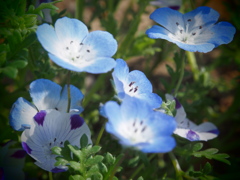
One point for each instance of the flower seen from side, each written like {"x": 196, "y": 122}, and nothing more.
{"x": 52, "y": 128}
{"x": 45, "y": 95}
{"x": 197, "y": 30}
{"x": 189, "y": 130}
{"x": 72, "y": 47}
{"x": 133, "y": 84}
{"x": 135, "y": 124}
{"x": 173, "y": 4}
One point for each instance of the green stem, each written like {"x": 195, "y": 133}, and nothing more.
{"x": 100, "y": 134}
{"x": 50, "y": 175}
{"x": 124, "y": 46}
{"x": 117, "y": 164}
{"x": 68, "y": 91}
{"x": 79, "y": 9}
{"x": 193, "y": 64}
{"x": 98, "y": 83}
{"x": 181, "y": 73}
{"x": 176, "y": 166}
{"x": 141, "y": 167}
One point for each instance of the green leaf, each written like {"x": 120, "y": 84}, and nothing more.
{"x": 211, "y": 154}
{"x": 93, "y": 160}
{"x": 84, "y": 141}
{"x": 133, "y": 162}
{"x": 61, "y": 161}
{"x": 197, "y": 147}
{"x": 103, "y": 168}
{"x": 56, "y": 150}
{"x": 18, "y": 64}
{"x": 140, "y": 178}
{"x": 10, "y": 71}
{"x": 207, "y": 168}
{"x": 75, "y": 150}
{"x": 76, "y": 177}
{"x": 75, "y": 165}
{"x": 97, "y": 176}
{"x": 93, "y": 150}
{"x": 109, "y": 159}
{"x": 92, "y": 170}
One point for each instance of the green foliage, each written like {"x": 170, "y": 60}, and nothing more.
{"x": 84, "y": 163}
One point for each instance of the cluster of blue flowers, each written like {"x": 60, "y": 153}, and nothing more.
{"x": 50, "y": 119}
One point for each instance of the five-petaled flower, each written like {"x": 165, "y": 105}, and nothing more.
{"x": 52, "y": 128}
{"x": 197, "y": 30}
{"x": 45, "y": 95}
{"x": 189, "y": 130}
{"x": 133, "y": 84}
{"x": 71, "y": 46}
{"x": 137, "y": 125}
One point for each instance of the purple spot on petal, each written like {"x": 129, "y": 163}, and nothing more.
{"x": 192, "y": 136}
{"x": 19, "y": 154}
{"x": 178, "y": 104}
{"x": 214, "y": 131}
{"x": 26, "y": 148}
{"x": 174, "y": 7}
{"x": 57, "y": 170}
{"x": 76, "y": 121}
{"x": 39, "y": 117}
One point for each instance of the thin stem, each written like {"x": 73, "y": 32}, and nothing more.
{"x": 141, "y": 167}
{"x": 181, "y": 73}
{"x": 176, "y": 166}
{"x": 50, "y": 175}
{"x": 79, "y": 9}
{"x": 100, "y": 134}
{"x": 68, "y": 90}
{"x": 98, "y": 83}
{"x": 117, "y": 164}
{"x": 193, "y": 64}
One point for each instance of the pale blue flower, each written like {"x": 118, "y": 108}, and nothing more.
{"x": 45, "y": 95}
{"x": 71, "y": 46}
{"x": 189, "y": 130}
{"x": 134, "y": 84}
{"x": 135, "y": 124}
{"x": 197, "y": 30}
{"x": 52, "y": 128}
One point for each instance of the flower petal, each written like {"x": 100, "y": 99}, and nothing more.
{"x": 160, "y": 145}
{"x": 201, "y": 16}
{"x": 68, "y": 29}
{"x": 48, "y": 38}
{"x": 220, "y": 36}
{"x": 100, "y": 65}
{"x": 21, "y": 114}
{"x": 167, "y": 18}
{"x": 45, "y": 94}
{"x": 102, "y": 43}
{"x": 76, "y": 99}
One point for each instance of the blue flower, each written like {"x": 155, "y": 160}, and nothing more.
{"x": 137, "y": 125}
{"x": 189, "y": 130}
{"x": 11, "y": 162}
{"x": 52, "y": 128}
{"x": 197, "y": 30}
{"x": 173, "y": 4}
{"x": 133, "y": 84}
{"x": 45, "y": 95}
{"x": 71, "y": 46}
